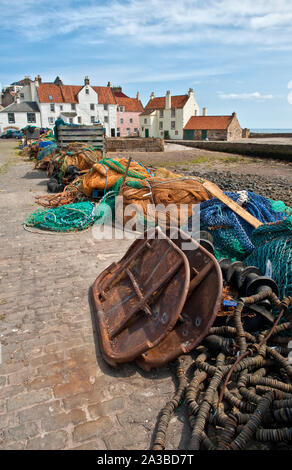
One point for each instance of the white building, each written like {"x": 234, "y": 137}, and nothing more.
{"x": 167, "y": 116}
{"x": 75, "y": 104}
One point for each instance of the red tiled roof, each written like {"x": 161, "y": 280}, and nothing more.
{"x": 131, "y": 104}
{"x": 68, "y": 93}
{"x": 120, "y": 94}
{"x": 105, "y": 94}
{"x": 159, "y": 103}
{"x": 208, "y": 122}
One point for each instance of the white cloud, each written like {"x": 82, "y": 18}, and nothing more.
{"x": 154, "y": 22}
{"x": 256, "y": 96}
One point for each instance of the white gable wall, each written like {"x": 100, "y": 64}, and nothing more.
{"x": 182, "y": 115}
{"x": 20, "y": 121}
{"x": 82, "y": 109}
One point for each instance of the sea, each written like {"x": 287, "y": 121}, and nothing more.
{"x": 272, "y": 131}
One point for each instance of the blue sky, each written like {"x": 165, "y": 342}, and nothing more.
{"x": 236, "y": 54}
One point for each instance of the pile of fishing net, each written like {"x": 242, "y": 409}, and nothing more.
{"x": 81, "y": 158}
{"x": 150, "y": 196}
{"x": 144, "y": 201}
{"x": 45, "y": 155}
{"x": 69, "y": 218}
{"x": 273, "y": 253}
{"x": 231, "y": 234}
{"x": 106, "y": 173}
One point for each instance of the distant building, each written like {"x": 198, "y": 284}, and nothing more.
{"x": 213, "y": 128}
{"x": 166, "y": 116}
{"x": 75, "y": 104}
{"x": 20, "y": 114}
{"x": 128, "y": 111}
{"x": 11, "y": 92}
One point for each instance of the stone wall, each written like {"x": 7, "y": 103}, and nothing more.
{"x": 134, "y": 145}
{"x": 277, "y": 151}
{"x": 255, "y": 135}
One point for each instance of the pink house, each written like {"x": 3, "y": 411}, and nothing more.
{"x": 128, "y": 110}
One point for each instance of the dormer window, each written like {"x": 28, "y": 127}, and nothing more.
{"x": 122, "y": 109}
{"x": 50, "y": 98}
{"x": 73, "y": 107}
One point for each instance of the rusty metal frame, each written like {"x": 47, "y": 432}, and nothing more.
{"x": 145, "y": 303}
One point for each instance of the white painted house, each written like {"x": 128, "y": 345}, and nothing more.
{"x": 167, "y": 116}
{"x": 74, "y": 104}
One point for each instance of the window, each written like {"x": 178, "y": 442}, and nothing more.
{"x": 91, "y": 105}
{"x": 161, "y": 133}
{"x": 87, "y": 91}
{"x": 118, "y": 132}
{"x": 176, "y": 132}
{"x": 121, "y": 109}
{"x": 11, "y": 118}
{"x": 79, "y": 120}
{"x": 160, "y": 125}
{"x": 105, "y": 107}
{"x": 122, "y": 121}
{"x": 51, "y": 120}
{"x": 131, "y": 121}
{"x": 71, "y": 120}
{"x": 145, "y": 121}
{"x": 73, "y": 107}
{"x": 61, "y": 107}
{"x": 118, "y": 129}
{"x": 161, "y": 113}
{"x": 173, "y": 113}
{"x": 172, "y": 124}
{"x": 92, "y": 118}
{"x": 30, "y": 117}
{"x": 136, "y": 130}
{"x": 142, "y": 128}
{"x": 21, "y": 95}
{"x": 52, "y": 108}
{"x": 105, "y": 118}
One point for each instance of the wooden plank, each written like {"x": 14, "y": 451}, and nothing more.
{"x": 82, "y": 133}
{"x": 80, "y": 127}
{"x": 80, "y": 138}
{"x": 215, "y": 191}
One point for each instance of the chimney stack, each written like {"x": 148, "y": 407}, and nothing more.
{"x": 138, "y": 96}
{"x": 86, "y": 80}
{"x": 26, "y": 80}
{"x": 168, "y": 100}
{"x": 58, "y": 81}
{"x": 38, "y": 80}
{"x": 109, "y": 84}
{"x": 196, "y": 112}
{"x": 191, "y": 91}
{"x": 152, "y": 95}
{"x": 204, "y": 111}
{"x": 234, "y": 114}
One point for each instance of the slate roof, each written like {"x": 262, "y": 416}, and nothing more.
{"x": 22, "y": 107}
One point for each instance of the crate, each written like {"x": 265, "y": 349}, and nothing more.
{"x": 89, "y": 135}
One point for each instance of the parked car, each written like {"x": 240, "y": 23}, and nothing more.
{"x": 13, "y": 135}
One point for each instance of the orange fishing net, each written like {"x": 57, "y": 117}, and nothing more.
{"x": 164, "y": 192}
{"x": 105, "y": 175}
